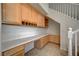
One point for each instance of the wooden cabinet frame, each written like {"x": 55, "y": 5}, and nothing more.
{"x": 22, "y": 14}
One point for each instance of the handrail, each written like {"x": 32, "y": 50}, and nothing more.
{"x": 70, "y": 36}
{"x": 75, "y": 3}
{"x": 76, "y": 31}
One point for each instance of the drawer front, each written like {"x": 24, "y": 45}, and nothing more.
{"x": 55, "y": 39}
{"x": 13, "y": 50}
{"x": 41, "y": 42}
{"x": 44, "y": 41}
{"x": 19, "y": 53}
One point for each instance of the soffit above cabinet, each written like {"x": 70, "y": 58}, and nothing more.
{"x": 38, "y": 8}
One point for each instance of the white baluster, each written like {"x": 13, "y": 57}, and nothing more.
{"x": 62, "y": 7}
{"x": 76, "y": 11}
{"x": 75, "y": 44}
{"x": 54, "y": 6}
{"x": 70, "y": 41}
{"x": 67, "y": 7}
{"x": 59, "y": 7}
{"x": 70, "y": 10}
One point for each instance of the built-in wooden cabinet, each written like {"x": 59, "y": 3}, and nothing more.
{"x": 41, "y": 20}
{"x": 11, "y": 13}
{"x": 47, "y": 39}
{"x": 31, "y": 16}
{"x": 41, "y": 42}
{"x": 22, "y": 14}
{"x": 17, "y": 51}
{"x": 34, "y": 17}
{"x": 46, "y": 22}
{"x": 54, "y": 39}
{"x": 26, "y": 13}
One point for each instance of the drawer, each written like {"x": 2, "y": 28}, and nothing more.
{"x": 41, "y": 42}
{"x": 13, "y": 50}
{"x": 55, "y": 39}
{"x": 19, "y": 53}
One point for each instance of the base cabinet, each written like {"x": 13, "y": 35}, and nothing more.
{"x": 17, "y": 51}
{"x": 41, "y": 42}
{"x": 54, "y": 39}
{"x": 47, "y": 39}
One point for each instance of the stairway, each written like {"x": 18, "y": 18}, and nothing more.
{"x": 67, "y": 16}
{"x": 64, "y": 14}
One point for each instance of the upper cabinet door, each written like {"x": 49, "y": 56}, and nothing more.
{"x": 11, "y": 13}
{"x": 26, "y": 12}
{"x": 3, "y": 13}
{"x": 14, "y": 13}
{"x": 41, "y": 20}
{"x": 34, "y": 17}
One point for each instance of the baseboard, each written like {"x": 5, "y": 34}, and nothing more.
{"x": 54, "y": 43}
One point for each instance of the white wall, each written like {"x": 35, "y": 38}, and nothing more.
{"x": 45, "y": 6}
{"x": 10, "y": 33}
{"x": 39, "y": 7}
{"x": 53, "y": 28}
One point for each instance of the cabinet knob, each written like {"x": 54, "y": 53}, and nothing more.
{"x": 23, "y": 22}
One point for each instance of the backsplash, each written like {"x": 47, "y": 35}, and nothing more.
{"x": 10, "y": 31}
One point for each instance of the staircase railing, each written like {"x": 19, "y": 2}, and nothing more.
{"x": 70, "y": 37}
{"x": 69, "y": 9}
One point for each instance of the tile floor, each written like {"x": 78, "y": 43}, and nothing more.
{"x": 49, "y": 50}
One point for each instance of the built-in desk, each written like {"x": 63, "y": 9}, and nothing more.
{"x": 17, "y": 47}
